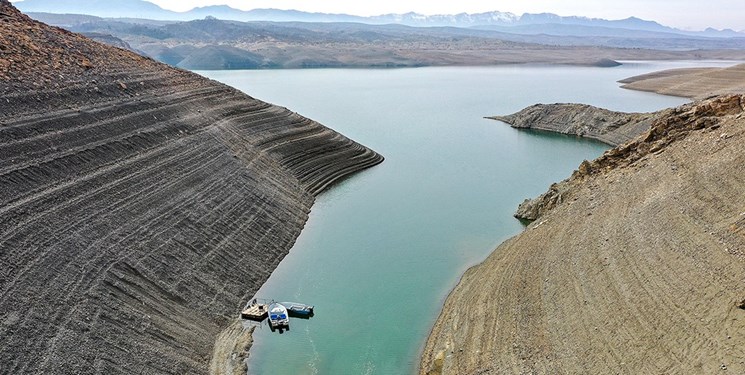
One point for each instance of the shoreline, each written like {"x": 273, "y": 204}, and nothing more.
{"x": 447, "y": 349}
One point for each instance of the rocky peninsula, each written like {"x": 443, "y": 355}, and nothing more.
{"x": 635, "y": 264}
{"x": 582, "y": 120}
{"x": 140, "y": 205}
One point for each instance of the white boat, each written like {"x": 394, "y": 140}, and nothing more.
{"x": 278, "y": 316}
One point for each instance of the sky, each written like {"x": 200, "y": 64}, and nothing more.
{"x": 683, "y": 14}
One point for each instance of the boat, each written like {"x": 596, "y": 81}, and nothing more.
{"x": 278, "y": 316}
{"x": 298, "y": 310}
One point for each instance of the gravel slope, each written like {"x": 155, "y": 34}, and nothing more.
{"x": 140, "y": 206}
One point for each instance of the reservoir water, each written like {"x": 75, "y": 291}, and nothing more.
{"x": 382, "y": 249}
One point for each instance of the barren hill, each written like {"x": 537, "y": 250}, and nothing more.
{"x": 691, "y": 83}
{"x": 639, "y": 268}
{"x": 140, "y": 206}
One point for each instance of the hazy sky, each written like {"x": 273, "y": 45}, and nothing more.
{"x": 685, "y": 14}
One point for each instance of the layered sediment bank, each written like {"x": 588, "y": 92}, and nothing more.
{"x": 140, "y": 205}
{"x": 639, "y": 268}
{"x": 613, "y": 128}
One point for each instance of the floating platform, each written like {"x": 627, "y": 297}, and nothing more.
{"x": 255, "y": 311}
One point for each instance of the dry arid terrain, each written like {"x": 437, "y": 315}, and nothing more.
{"x": 636, "y": 267}
{"x": 140, "y": 205}
{"x": 691, "y": 83}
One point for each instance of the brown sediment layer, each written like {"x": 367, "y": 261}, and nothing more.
{"x": 691, "y": 83}
{"x": 640, "y": 268}
{"x": 140, "y": 205}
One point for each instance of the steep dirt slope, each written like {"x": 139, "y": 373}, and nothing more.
{"x": 691, "y": 83}
{"x": 638, "y": 269}
{"x": 140, "y": 206}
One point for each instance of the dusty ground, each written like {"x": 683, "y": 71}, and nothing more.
{"x": 640, "y": 269}
{"x": 691, "y": 83}
{"x": 140, "y": 206}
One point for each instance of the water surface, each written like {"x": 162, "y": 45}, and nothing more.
{"x": 382, "y": 249}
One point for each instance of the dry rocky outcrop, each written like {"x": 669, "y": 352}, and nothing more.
{"x": 639, "y": 266}
{"x": 613, "y": 128}
{"x": 140, "y": 206}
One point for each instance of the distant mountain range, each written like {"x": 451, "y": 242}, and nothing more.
{"x": 528, "y": 23}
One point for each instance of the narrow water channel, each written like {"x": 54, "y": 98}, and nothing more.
{"x": 382, "y": 249}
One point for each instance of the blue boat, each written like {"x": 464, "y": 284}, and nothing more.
{"x": 298, "y": 310}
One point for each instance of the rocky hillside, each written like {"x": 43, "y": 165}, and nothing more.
{"x": 140, "y": 205}
{"x": 638, "y": 267}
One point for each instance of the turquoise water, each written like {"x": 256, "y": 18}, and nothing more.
{"x": 382, "y": 249}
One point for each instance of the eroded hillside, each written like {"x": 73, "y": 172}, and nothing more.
{"x": 140, "y": 206}
{"x": 639, "y": 268}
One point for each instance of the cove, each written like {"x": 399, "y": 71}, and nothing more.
{"x": 382, "y": 249}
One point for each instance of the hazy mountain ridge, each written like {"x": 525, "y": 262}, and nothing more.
{"x": 271, "y": 38}
{"x": 145, "y": 9}
{"x": 211, "y": 43}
